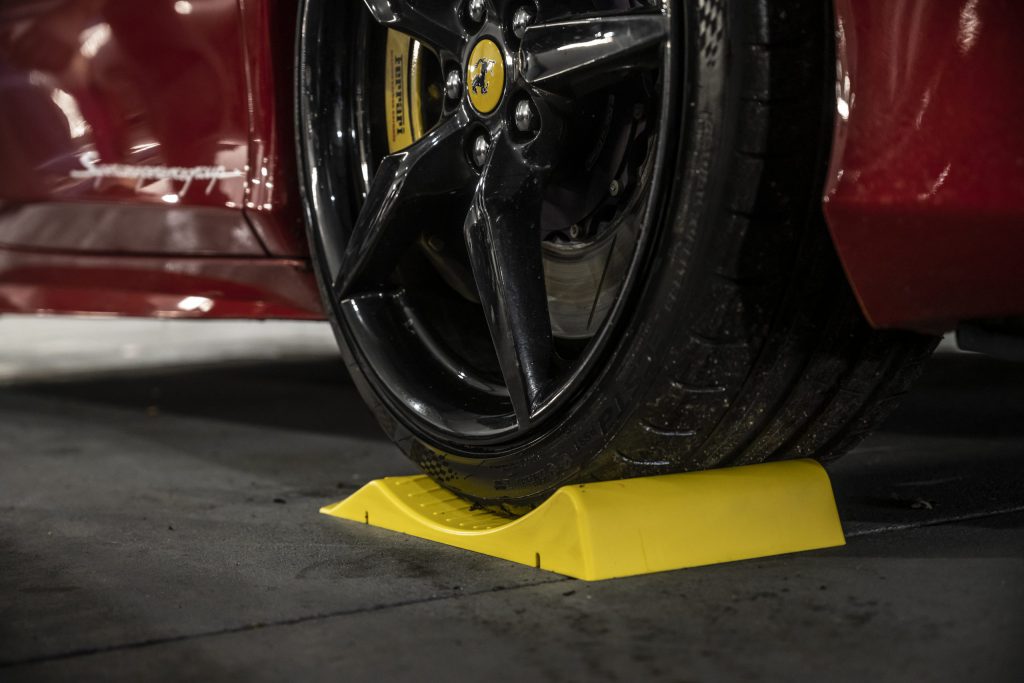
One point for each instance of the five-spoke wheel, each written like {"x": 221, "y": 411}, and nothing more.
{"x": 503, "y": 160}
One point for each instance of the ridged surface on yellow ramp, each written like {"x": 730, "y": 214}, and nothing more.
{"x": 626, "y": 527}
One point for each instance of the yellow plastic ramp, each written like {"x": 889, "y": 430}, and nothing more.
{"x": 626, "y": 527}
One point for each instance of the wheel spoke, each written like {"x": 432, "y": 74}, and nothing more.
{"x": 407, "y": 186}
{"x": 434, "y": 22}
{"x": 581, "y": 55}
{"x": 504, "y": 244}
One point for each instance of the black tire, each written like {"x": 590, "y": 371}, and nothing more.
{"x": 743, "y": 343}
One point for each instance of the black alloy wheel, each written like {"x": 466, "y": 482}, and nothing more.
{"x": 517, "y": 215}
{"x": 494, "y": 190}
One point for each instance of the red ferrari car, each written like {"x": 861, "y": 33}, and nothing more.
{"x": 558, "y": 240}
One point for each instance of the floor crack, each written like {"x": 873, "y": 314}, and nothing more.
{"x": 153, "y": 642}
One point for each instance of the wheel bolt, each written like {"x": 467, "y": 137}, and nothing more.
{"x": 481, "y": 150}
{"x": 524, "y": 116}
{"x": 521, "y": 20}
{"x": 453, "y": 85}
{"x": 476, "y": 10}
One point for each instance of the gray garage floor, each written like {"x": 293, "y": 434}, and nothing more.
{"x": 159, "y": 484}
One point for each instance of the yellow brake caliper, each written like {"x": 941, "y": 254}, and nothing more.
{"x": 402, "y": 93}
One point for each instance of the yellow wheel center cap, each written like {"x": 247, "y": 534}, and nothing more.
{"x": 485, "y": 76}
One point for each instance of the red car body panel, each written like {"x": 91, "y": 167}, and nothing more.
{"x": 926, "y": 193}
{"x": 148, "y": 162}
{"x": 273, "y": 205}
{"x": 156, "y": 286}
{"x": 175, "y": 86}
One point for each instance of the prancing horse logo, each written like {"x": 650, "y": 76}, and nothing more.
{"x": 485, "y": 75}
{"x": 482, "y": 68}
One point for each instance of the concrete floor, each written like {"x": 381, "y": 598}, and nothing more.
{"x": 159, "y": 483}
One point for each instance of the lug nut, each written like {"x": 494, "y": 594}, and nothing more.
{"x": 524, "y": 116}
{"x": 476, "y": 10}
{"x": 481, "y": 150}
{"x": 521, "y": 20}
{"x": 453, "y": 85}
